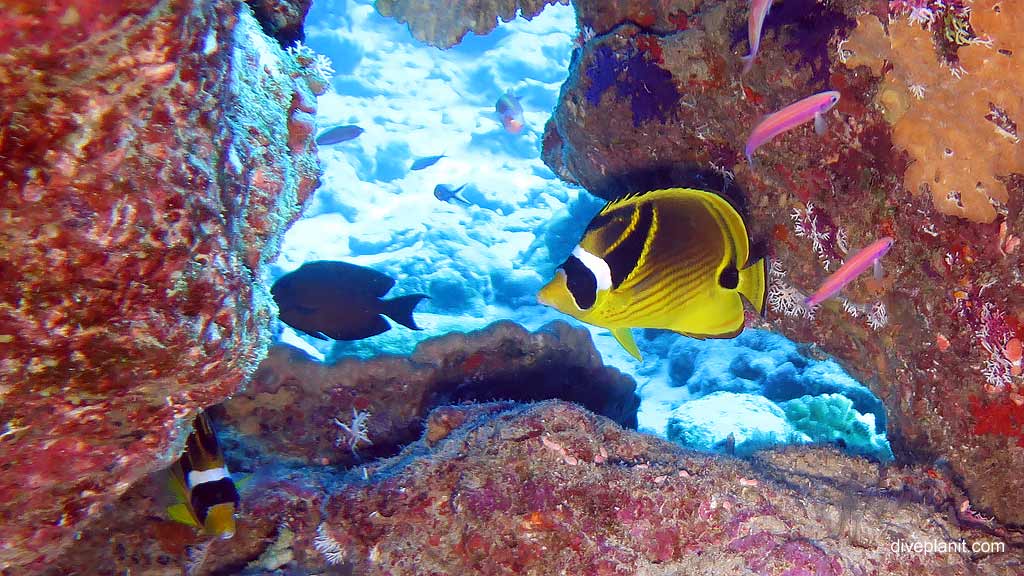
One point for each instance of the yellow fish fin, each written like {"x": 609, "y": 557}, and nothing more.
{"x": 752, "y": 284}
{"x": 717, "y": 316}
{"x": 625, "y": 337}
{"x": 242, "y": 481}
{"x": 181, "y": 513}
{"x": 176, "y": 484}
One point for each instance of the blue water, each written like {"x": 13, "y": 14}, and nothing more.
{"x": 485, "y": 262}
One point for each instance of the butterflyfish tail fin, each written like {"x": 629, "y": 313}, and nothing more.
{"x": 752, "y": 284}
{"x": 625, "y": 338}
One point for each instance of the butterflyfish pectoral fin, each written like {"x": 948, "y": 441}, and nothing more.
{"x": 181, "y": 513}
{"x": 625, "y": 338}
{"x": 819, "y": 124}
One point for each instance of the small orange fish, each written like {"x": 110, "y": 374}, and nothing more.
{"x": 511, "y": 112}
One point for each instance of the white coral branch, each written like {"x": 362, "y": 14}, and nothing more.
{"x": 354, "y": 432}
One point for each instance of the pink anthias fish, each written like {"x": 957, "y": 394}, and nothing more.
{"x": 758, "y": 12}
{"x": 851, "y": 269}
{"x": 510, "y": 112}
{"x": 810, "y": 108}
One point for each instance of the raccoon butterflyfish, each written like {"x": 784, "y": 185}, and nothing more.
{"x": 676, "y": 259}
{"x": 205, "y": 494}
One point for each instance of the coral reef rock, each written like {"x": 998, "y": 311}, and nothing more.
{"x": 551, "y": 488}
{"x": 282, "y": 19}
{"x": 357, "y": 409}
{"x": 443, "y": 24}
{"x": 937, "y": 338}
{"x": 147, "y": 180}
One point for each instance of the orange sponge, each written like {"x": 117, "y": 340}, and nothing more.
{"x": 958, "y": 125}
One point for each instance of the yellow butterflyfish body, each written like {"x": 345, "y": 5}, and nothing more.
{"x": 675, "y": 259}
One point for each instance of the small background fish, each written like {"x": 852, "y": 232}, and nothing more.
{"x": 511, "y": 112}
{"x": 425, "y": 162}
{"x": 445, "y": 193}
{"x": 338, "y": 134}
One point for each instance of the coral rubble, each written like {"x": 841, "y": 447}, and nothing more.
{"x": 443, "y": 24}
{"x": 358, "y": 409}
{"x": 147, "y": 180}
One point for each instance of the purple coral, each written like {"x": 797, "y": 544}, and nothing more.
{"x": 651, "y": 92}
{"x": 603, "y": 71}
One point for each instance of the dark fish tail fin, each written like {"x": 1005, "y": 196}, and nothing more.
{"x": 400, "y": 309}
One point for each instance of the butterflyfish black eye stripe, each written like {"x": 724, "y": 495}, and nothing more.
{"x": 581, "y": 282}
{"x": 729, "y": 278}
{"x": 625, "y": 257}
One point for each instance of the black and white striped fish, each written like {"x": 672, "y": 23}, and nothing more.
{"x": 200, "y": 482}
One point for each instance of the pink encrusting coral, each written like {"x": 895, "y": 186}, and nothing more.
{"x": 147, "y": 180}
{"x": 553, "y": 489}
{"x": 550, "y": 488}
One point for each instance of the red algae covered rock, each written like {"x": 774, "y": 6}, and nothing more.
{"x": 147, "y": 180}
{"x": 551, "y": 488}
{"x": 932, "y": 337}
{"x": 389, "y": 397}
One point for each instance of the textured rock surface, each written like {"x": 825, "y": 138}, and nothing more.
{"x": 282, "y": 19}
{"x": 551, "y": 489}
{"x": 443, "y": 24}
{"x": 146, "y": 183}
{"x": 646, "y": 106}
{"x": 503, "y": 361}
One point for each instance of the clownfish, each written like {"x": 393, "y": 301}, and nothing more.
{"x": 205, "y": 494}
{"x": 675, "y": 259}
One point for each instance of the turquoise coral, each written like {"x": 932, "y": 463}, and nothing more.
{"x": 832, "y": 418}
